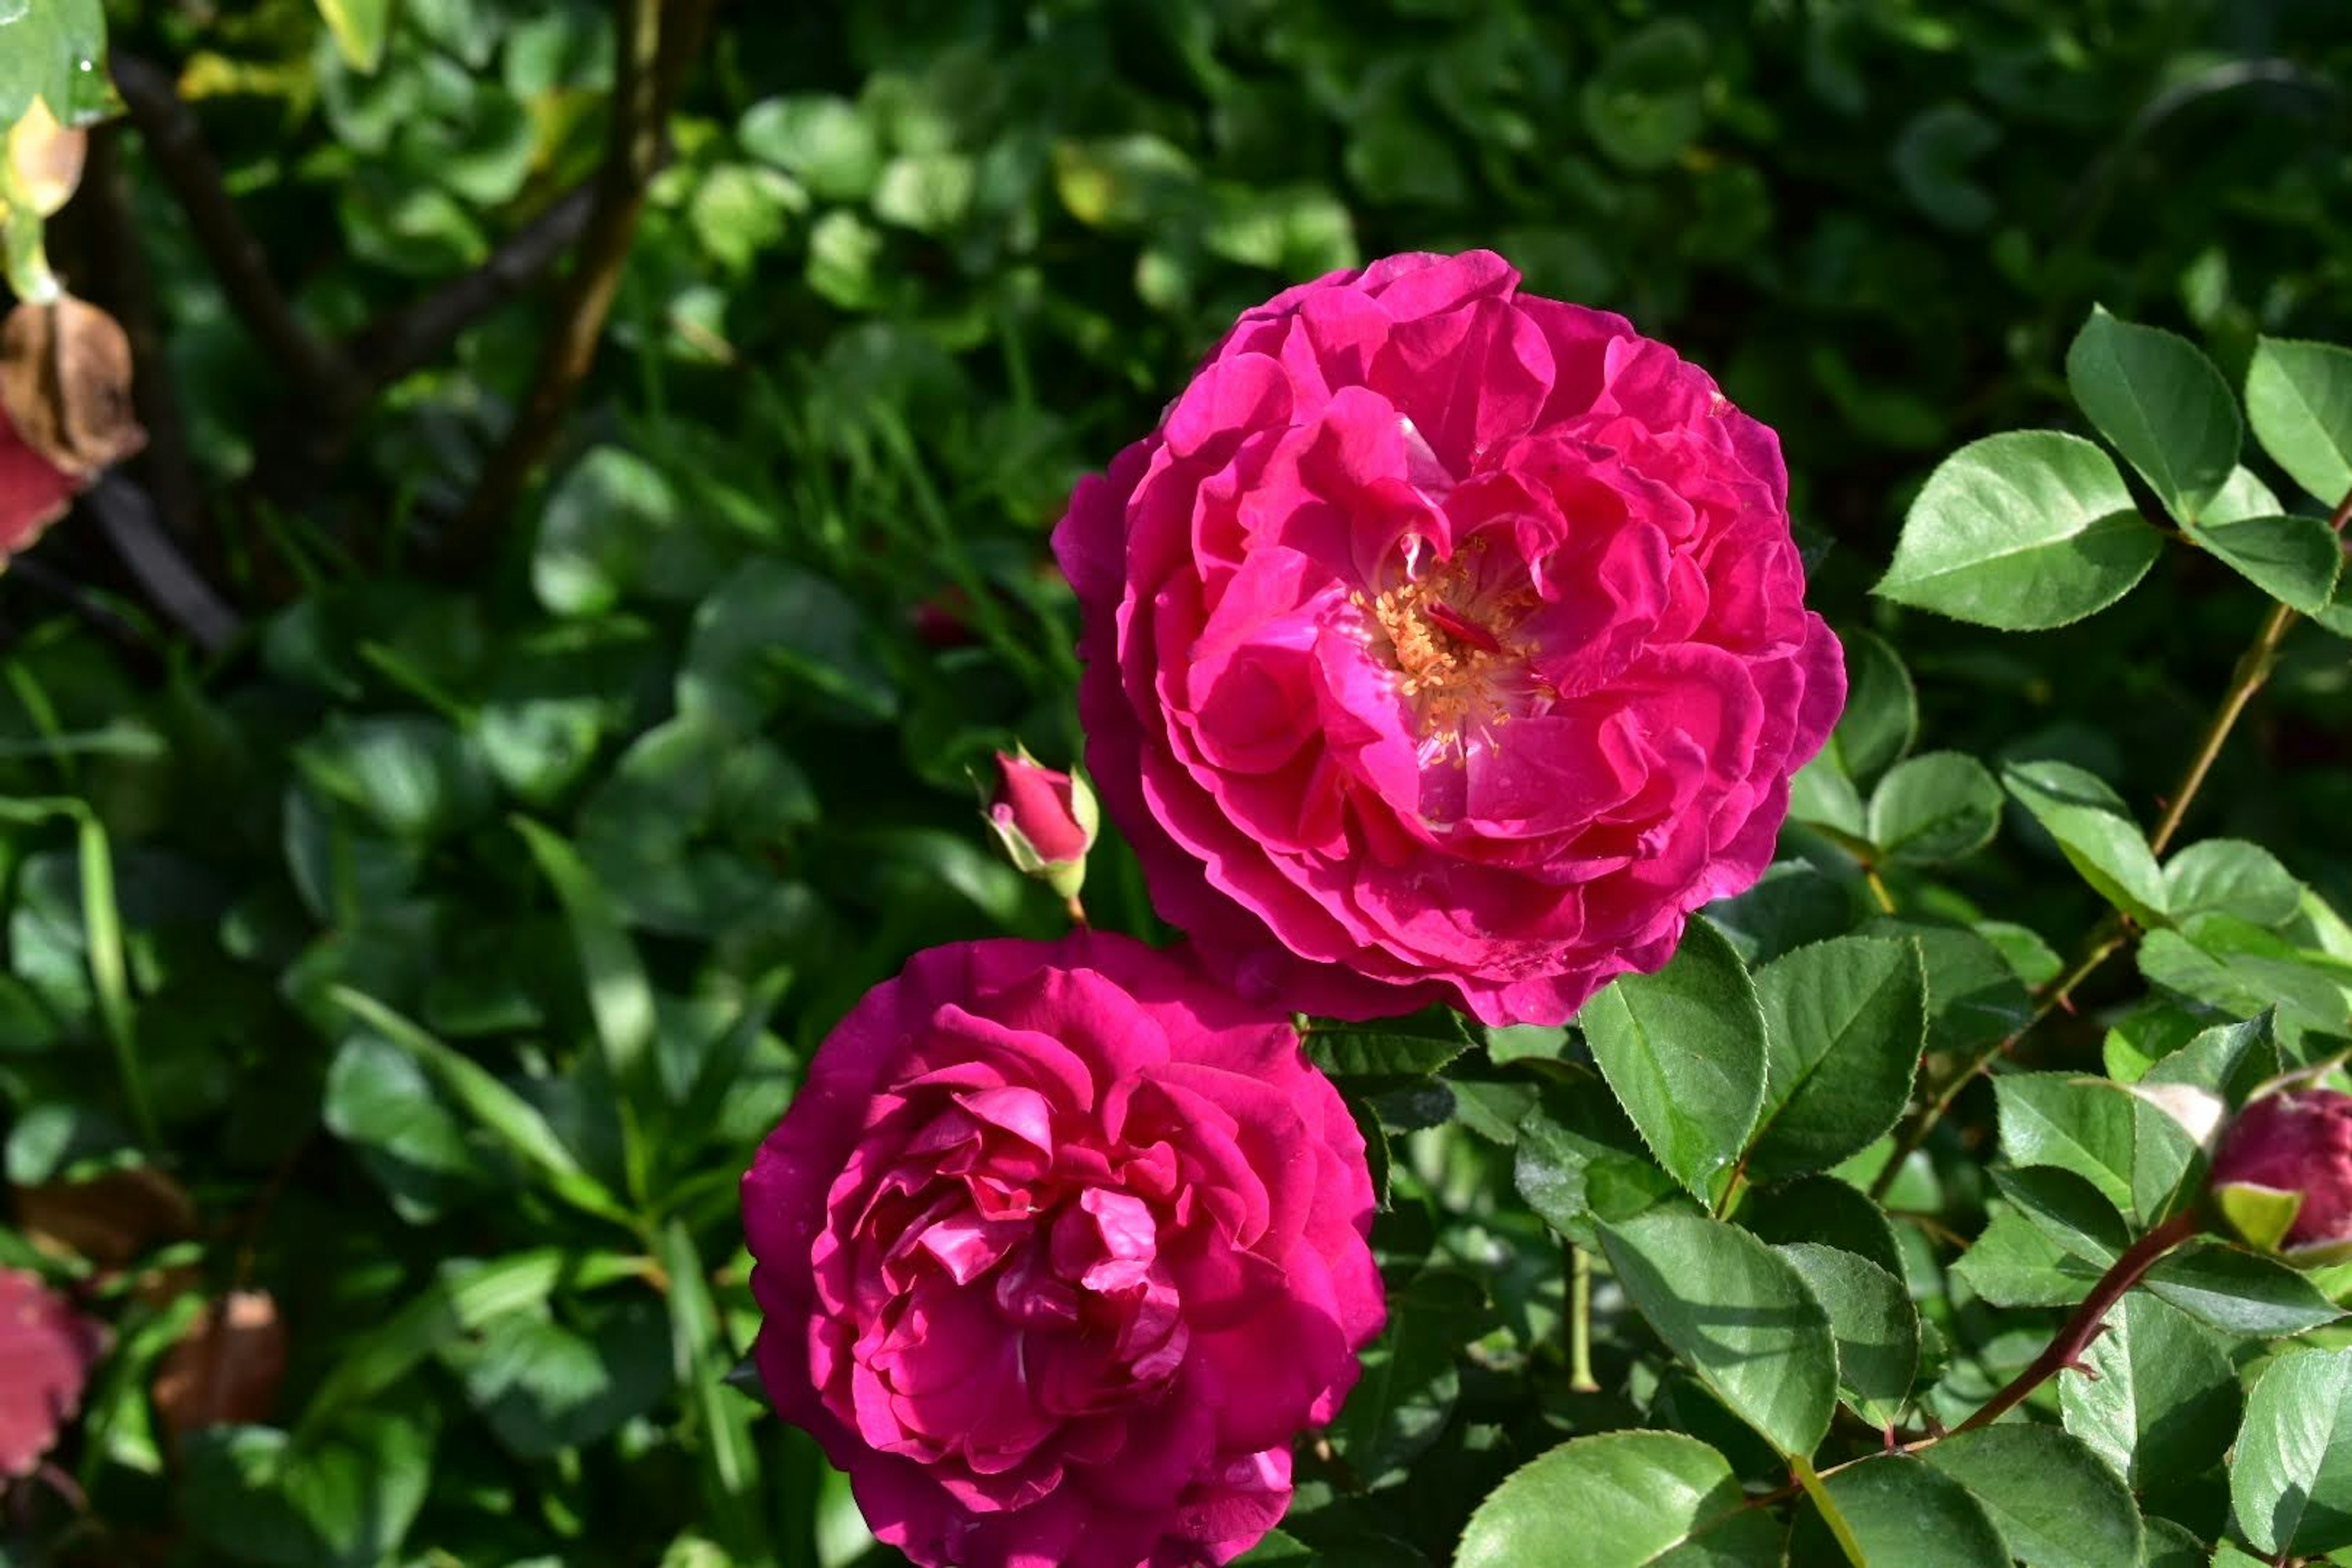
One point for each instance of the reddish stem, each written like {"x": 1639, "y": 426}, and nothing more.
{"x": 2089, "y": 1319}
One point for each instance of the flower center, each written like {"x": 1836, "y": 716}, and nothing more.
{"x": 1458, "y": 661}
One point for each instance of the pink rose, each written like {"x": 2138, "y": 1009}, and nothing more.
{"x": 2297, "y": 1144}
{"x": 1444, "y": 643}
{"x": 1059, "y": 1246}
{"x": 34, "y": 492}
{"x": 46, "y": 1351}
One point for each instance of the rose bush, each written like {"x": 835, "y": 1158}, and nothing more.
{"x": 1444, "y": 643}
{"x": 1059, "y": 1246}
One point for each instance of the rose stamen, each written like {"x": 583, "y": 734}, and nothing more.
{"x": 1453, "y": 651}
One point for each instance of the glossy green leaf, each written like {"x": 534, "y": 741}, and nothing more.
{"x": 2294, "y": 560}
{"x": 2231, "y": 875}
{"x": 1901, "y": 1512}
{"x": 517, "y": 1123}
{"x": 47, "y": 49}
{"x": 360, "y": 27}
{"x": 2082, "y": 1125}
{"x": 620, "y": 998}
{"x": 2171, "y": 1546}
{"x": 1737, "y": 1313}
{"x": 1578, "y": 1161}
{"x": 2162, "y": 1399}
{"x": 2291, "y": 1470}
{"x": 340, "y": 1496}
{"x": 543, "y": 1386}
{"x": 1935, "y": 808}
{"x": 1683, "y": 1051}
{"x": 2239, "y": 1293}
{"x": 1647, "y": 101}
{"x": 2162, "y": 404}
{"x": 2299, "y": 400}
{"x": 1826, "y": 1210}
{"x": 1881, "y": 709}
{"x": 1844, "y": 1021}
{"x": 1616, "y": 1500}
{"x": 1877, "y": 1328}
{"x": 2067, "y": 1209}
{"x": 2020, "y": 531}
{"x": 822, "y": 141}
{"x": 2095, "y": 831}
{"x": 2012, "y": 1263}
{"x": 2056, "y": 1502}
{"x": 727, "y": 1451}
{"x": 1412, "y": 1376}
{"x": 1372, "y": 1059}
{"x": 380, "y": 1099}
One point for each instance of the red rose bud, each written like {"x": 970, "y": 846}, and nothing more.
{"x": 2283, "y": 1177}
{"x": 1047, "y": 821}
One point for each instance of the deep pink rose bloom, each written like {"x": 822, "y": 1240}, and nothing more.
{"x": 1444, "y": 644}
{"x": 46, "y": 1349}
{"x": 2299, "y": 1142}
{"x": 1059, "y": 1246}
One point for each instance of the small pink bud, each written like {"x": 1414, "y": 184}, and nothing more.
{"x": 2283, "y": 1175}
{"x": 943, "y": 620}
{"x": 1047, "y": 820}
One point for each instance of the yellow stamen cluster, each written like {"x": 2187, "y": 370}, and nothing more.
{"x": 1451, "y": 680}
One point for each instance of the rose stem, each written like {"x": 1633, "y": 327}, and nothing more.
{"x": 1078, "y": 911}
{"x": 2080, "y": 1329}
{"x": 1810, "y": 1480}
{"x": 1580, "y": 1321}
{"x": 2253, "y": 667}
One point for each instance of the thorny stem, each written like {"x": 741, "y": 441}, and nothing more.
{"x": 2089, "y": 1319}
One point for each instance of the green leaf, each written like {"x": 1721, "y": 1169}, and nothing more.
{"x": 1903, "y": 1515}
{"x": 2229, "y": 1059}
{"x": 2171, "y": 1546}
{"x": 544, "y": 1386}
{"x": 1411, "y": 1377}
{"x": 2020, "y": 531}
{"x": 413, "y": 777}
{"x": 1683, "y": 1051}
{"x": 2294, "y": 560}
{"x": 821, "y": 140}
{"x": 512, "y": 1120}
{"x": 2231, "y": 875}
{"x": 1616, "y": 1500}
{"x": 2162, "y": 1397}
{"x": 1844, "y": 1021}
{"x": 2240, "y": 1293}
{"x": 344, "y": 1495}
{"x": 1935, "y": 808}
{"x": 2055, "y": 1502}
{"x": 1647, "y": 101}
{"x": 1974, "y": 998}
{"x": 380, "y": 1100}
{"x": 2082, "y": 1125}
{"x": 465, "y": 1295}
{"x": 729, "y": 1453}
{"x": 1932, "y": 155}
{"x": 1372, "y": 1060}
{"x": 48, "y": 49}
{"x": 1877, "y": 1328}
{"x": 2291, "y": 1471}
{"x": 2012, "y": 1263}
{"x": 774, "y": 632}
{"x": 1791, "y": 905}
{"x": 1827, "y": 1210}
{"x": 359, "y": 27}
{"x": 1578, "y": 1161}
{"x": 2095, "y": 831}
{"x": 2299, "y": 399}
{"x": 1738, "y": 1313}
{"x": 2162, "y": 404}
{"x": 1881, "y": 709}
{"x": 620, "y": 998}
{"x": 2067, "y": 1209}
{"x": 616, "y": 525}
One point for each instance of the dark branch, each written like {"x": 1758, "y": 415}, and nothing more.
{"x": 176, "y": 143}
{"x": 658, "y": 40}
{"x": 417, "y": 333}
{"x": 128, "y": 517}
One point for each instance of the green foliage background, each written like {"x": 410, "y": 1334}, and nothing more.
{"x": 453, "y": 934}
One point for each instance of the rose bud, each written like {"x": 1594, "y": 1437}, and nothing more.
{"x": 1047, "y": 821}
{"x": 2282, "y": 1176}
